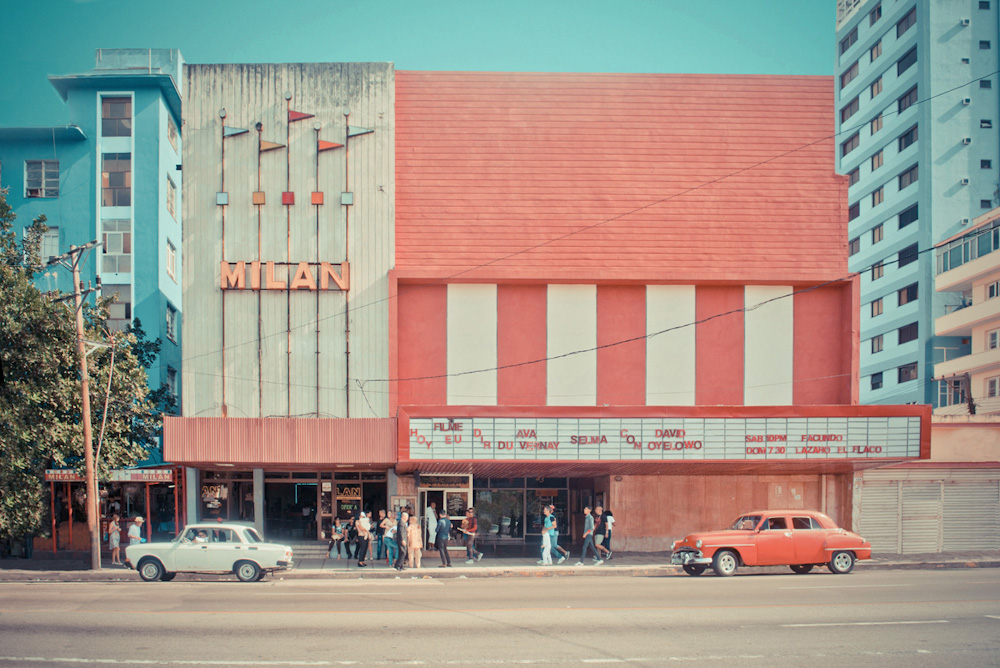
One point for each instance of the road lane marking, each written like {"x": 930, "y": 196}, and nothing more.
{"x": 930, "y": 621}
{"x": 847, "y": 586}
{"x": 993, "y": 616}
{"x": 18, "y": 660}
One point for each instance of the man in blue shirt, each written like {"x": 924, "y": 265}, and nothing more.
{"x": 443, "y": 532}
{"x": 588, "y": 536}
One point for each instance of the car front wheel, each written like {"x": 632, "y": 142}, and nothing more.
{"x": 150, "y": 570}
{"x": 841, "y": 563}
{"x": 725, "y": 563}
{"x": 694, "y": 569}
{"x": 801, "y": 569}
{"x": 247, "y": 571}
{"x": 167, "y": 577}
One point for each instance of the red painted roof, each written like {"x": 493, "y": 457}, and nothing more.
{"x": 649, "y": 177}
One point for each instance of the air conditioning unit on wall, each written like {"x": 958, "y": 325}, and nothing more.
{"x": 964, "y": 182}
{"x": 964, "y": 22}
{"x": 967, "y": 141}
{"x": 966, "y": 101}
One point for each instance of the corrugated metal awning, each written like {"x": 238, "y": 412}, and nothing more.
{"x": 280, "y": 442}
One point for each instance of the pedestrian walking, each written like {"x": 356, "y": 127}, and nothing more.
{"x": 599, "y": 528}
{"x": 135, "y": 531}
{"x": 114, "y": 540}
{"x": 401, "y": 540}
{"x": 443, "y": 532}
{"x": 388, "y": 525}
{"x": 604, "y": 547}
{"x": 363, "y": 526}
{"x": 557, "y": 551}
{"x": 588, "y": 536}
{"x": 414, "y": 543}
{"x": 470, "y": 527}
{"x": 546, "y": 559}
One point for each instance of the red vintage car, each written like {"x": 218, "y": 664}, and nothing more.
{"x": 797, "y": 538}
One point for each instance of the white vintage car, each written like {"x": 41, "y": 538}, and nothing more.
{"x": 209, "y": 547}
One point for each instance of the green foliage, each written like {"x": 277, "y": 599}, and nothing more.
{"x": 40, "y": 385}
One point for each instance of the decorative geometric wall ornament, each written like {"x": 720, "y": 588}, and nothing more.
{"x": 297, "y": 115}
{"x": 347, "y": 198}
{"x": 269, "y": 146}
{"x": 317, "y": 198}
{"x": 258, "y": 197}
{"x": 355, "y": 130}
{"x": 327, "y": 145}
{"x": 232, "y": 132}
{"x": 288, "y": 198}
{"x": 222, "y": 199}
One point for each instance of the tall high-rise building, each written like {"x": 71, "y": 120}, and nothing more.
{"x": 113, "y": 174}
{"x": 916, "y": 105}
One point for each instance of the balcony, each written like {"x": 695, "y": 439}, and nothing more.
{"x": 974, "y": 363}
{"x": 961, "y": 322}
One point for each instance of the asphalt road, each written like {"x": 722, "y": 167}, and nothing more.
{"x": 885, "y": 618}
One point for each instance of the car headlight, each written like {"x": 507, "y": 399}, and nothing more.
{"x": 673, "y": 544}
{"x": 697, "y": 543}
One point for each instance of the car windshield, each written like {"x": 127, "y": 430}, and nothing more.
{"x": 745, "y": 523}
{"x": 253, "y": 536}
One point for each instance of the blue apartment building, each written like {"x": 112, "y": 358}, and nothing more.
{"x": 113, "y": 173}
{"x": 917, "y": 123}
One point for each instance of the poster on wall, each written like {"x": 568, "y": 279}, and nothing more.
{"x": 400, "y": 503}
{"x": 457, "y": 503}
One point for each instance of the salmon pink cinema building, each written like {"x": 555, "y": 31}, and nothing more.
{"x": 504, "y": 290}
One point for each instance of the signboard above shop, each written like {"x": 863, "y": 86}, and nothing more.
{"x": 665, "y": 439}
{"x": 116, "y": 475}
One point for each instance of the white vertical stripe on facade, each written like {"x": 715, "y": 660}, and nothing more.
{"x": 571, "y": 327}
{"x": 472, "y": 344}
{"x": 670, "y": 357}
{"x": 768, "y": 344}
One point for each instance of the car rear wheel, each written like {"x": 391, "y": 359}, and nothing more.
{"x": 247, "y": 571}
{"x": 694, "y": 569}
{"x": 802, "y": 569}
{"x": 150, "y": 570}
{"x": 725, "y": 563}
{"x": 841, "y": 563}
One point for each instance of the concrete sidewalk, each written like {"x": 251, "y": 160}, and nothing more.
{"x": 626, "y": 564}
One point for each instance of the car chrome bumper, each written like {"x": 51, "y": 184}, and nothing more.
{"x": 688, "y": 557}
{"x": 283, "y": 565}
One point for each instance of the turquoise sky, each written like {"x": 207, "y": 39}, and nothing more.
{"x": 43, "y": 37}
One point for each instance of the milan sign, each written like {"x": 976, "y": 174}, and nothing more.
{"x": 665, "y": 439}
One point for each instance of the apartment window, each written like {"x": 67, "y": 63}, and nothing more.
{"x": 878, "y": 196}
{"x": 50, "y": 244}
{"x": 853, "y": 211}
{"x": 853, "y": 176}
{"x": 985, "y": 83}
{"x": 41, "y": 178}
{"x": 877, "y": 381}
{"x": 984, "y": 44}
{"x": 984, "y": 4}
{"x": 116, "y": 116}
{"x": 907, "y": 372}
{"x": 172, "y": 381}
{"x": 907, "y": 61}
{"x": 950, "y": 392}
{"x": 877, "y": 307}
{"x": 171, "y": 323}
{"x": 849, "y": 145}
{"x": 907, "y": 100}
{"x": 877, "y": 233}
{"x": 877, "y": 160}
{"x": 986, "y": 123}
{"x": 993, "y": 290}
{"x": 120, "y": 310}
{"x": 877, "y": 344}
{"x": 908, "y": 216}
{"x": 908, "y": 177}
{"x": 851, "y": 109}
{"x": 993, "y": 339}
{"x": 875, "y": 14}
{"x": 908, "y": 255}
{"x": 878, "y": 271}
{"x": 876, "y": 87}
{"x": 985, "y": 164}
{"x": 985, "y": 204}
{"x": 849, "y": 41}
{"x": 171, "y": 198}
{"x": 908, "y": 138}
{"x": 907, "y": 294}
{"x": 908, "y": 333}
{"x": 116, "y": 251}
{"x": 876, "y": 124}
{"x": 116, "y": 179}
{"x": 849, "y": 74}
{"x": 854, "y": 246}
{"x": 172, "y": 133}
{"x": 993, "y": 387}
{"x": 875, "y": 51}
{"x": 906, "y": 23}
{"x": 171, "y": 261}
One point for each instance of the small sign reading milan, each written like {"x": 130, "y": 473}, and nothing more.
{"x": 665, "y": 439}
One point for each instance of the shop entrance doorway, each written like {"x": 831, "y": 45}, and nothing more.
{"x": 290, "y": 510}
